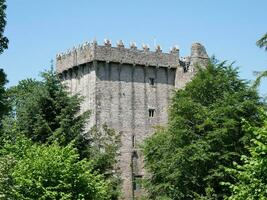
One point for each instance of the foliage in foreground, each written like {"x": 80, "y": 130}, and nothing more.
{"x": 48, "y": 172}
{"x": 204, "y": 135}
{"x": 251, "y": 177}
{"x": 45, "y": 114}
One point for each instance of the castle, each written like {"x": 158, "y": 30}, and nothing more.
{"x": 129, "y": 89}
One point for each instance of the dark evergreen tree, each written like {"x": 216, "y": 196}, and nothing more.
{"x": 3, "y": 39}
{"x": 45, "y": 112}
{"x": 4, "y": 108}
{"x": 3, "y": 45}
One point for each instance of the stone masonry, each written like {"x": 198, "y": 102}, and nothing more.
{"x": 129, "y": 90}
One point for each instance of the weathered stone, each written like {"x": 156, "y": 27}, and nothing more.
{"x": 129, "y": 90}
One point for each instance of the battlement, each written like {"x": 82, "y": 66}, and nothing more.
{"x": 89, "y": 52}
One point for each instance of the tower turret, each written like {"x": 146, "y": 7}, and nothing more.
{"x": 198, "y": 56}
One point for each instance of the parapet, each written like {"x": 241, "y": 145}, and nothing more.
{"x": 89, "y": 52}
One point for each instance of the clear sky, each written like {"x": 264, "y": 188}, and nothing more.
{"x": 39, "y": 29}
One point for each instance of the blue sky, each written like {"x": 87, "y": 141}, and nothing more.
{"x": 38, "y": 30}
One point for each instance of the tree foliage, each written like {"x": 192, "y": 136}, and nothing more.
{"x": 48, "y": 172}
{"x": 45, "y": 112}
{"x": 262, "y": 42}
{"x": 101, "y": 145}
{"x": 259, "y": 78}
{"x": 3, "y": 39}
{"x": 45, "y": 115}
{"x": 204, "y": 135}
{"x": 4, "y": 106}
{"x": 251, "y": 177}
{"x": 3, "y": 45}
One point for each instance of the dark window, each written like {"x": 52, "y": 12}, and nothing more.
{"x": 135, "y": 163}
{"x": 151, "y": 81}
{"x": 151, "y": 112}
{"x": 133, "y": 140}
{"x": 137, "y": 182}
{"x": 185, "y": 69}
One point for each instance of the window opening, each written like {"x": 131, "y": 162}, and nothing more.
{"x": 151, "y": 112}
{"x": 151, "y": 81}
{"x": 137, "y": 182}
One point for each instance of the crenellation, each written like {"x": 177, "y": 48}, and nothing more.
{"x": 133, "y": 46}
{"x": 94, "y": 43}
{"x": 120, "y": 44}
{"x": 174, "y": 50}
{"x": 88, "y": 52}
{"x": 145, "y": 47}
{"x": 107, "y": 42}
{"x": 158, "y": 49}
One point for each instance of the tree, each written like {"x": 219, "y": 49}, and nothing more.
{"x": 103, "y": 145}
{"x": 251, "y": 177}
{"x": 259, "y": 78}
{"x": 3, "y": 39}
{"x": 4, "y": 106}
{"x": 204, "y": 135}
{"x": 3, "y": 45}
{"x": 262, "y": 43}
{"x": 48, "y": 172}
{"x": 45, "y": 112}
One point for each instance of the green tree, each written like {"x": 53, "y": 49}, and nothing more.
{"x": 48, "y": 172}
{"x": 4, "y": 108}
{"x": 259, "y": 78}
{"x": 203, "y": 136}
{"x": 251, "y": 177}
{"x": 3, "y": 39}
{"x": 103, "y": 148}
{"x": 3, "y": 45}
{"x": 45, "y": 112}
{"x": 106, "y": 141}
{"x": 262, "y": 43}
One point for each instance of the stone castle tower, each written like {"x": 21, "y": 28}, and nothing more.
{"x": 128, "y": 89}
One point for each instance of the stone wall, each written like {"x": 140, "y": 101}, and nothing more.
{"x": 124, "y": 97}
{"x": 82, "y": 80}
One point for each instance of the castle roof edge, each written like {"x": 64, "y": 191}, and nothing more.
{"x": 89, "y": 52}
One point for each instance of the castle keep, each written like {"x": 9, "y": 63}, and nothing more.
{"x": 129, "y": 89}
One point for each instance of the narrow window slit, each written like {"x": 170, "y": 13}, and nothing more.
{"x": 151, "y": 112}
